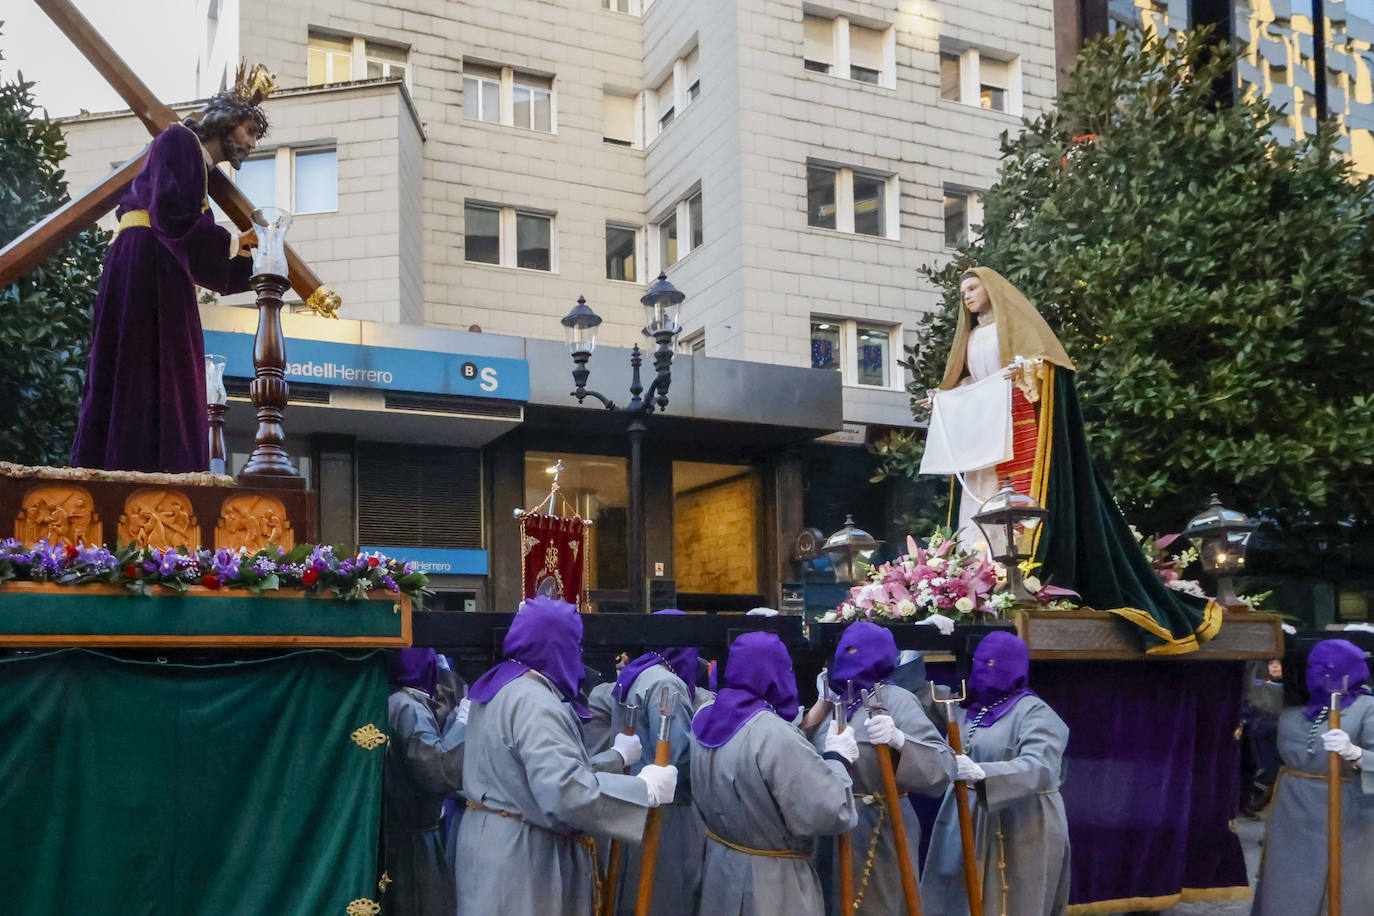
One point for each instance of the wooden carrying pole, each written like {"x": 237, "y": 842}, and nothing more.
{"x": 612, "y": 893}
{"x": 648, "y": 859}
{"x": 844, "y": 841}
{"x": 972, "y": 883}
{"x": 1333, "y": 817}
{"x": 29, "y": 249}
{"x": 910, "y": 892}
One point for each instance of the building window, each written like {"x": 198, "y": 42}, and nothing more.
{"x": 616, "y": 6}
{"x": 508, "y": 237}
{"x": 693, "y": 344}
{"x": 503, "y": 95}
{"x": 533, "y": 103}
{"x": 975, "y": 77}
{"x": 482, "y": 235}
{"x": 334, "y": 58}
{"x": 825, "y": 343}
{"x": 316, "y": 181}
{"x": 618, "y": 118}
{"x": 302, "y": 181}
{"x": 257, "y": 179}
{"x": 680, "y": 88}
{"x": 620, "y": 253}
{"x": 482, "y": 93}
{"x": 680, "y": 232}
{"x": 873, "y": 354}
{"x": 843, "y": 47}
{"x": 860, "y": 351}
{"x": 963, "y": 211}
{"x": 850, "y": 200}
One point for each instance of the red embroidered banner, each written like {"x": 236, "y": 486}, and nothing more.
{"x": 554, "y": 553}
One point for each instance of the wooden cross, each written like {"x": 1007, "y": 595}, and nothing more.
{"x": 30, "y": 249}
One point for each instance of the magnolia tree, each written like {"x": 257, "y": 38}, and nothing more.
{"x": 1215, "y": 287}
{"x": 45, "y": 322}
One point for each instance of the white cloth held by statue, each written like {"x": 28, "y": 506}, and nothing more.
{"x": 970, "y": 427}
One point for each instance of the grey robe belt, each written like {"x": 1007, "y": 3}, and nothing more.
{"x": 749, "y": 850}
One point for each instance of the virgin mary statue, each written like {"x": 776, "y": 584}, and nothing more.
{"x": 1007, "y": 408}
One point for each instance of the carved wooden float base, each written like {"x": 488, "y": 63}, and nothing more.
{"x": 34, "y": 615}
{"x": 1094, "y": 635}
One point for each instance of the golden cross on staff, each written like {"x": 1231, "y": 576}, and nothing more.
{"x": 30, "y": 249}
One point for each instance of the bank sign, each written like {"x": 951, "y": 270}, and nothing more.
{"x": 434, "y": 560}
{"x": 322, "y": 362}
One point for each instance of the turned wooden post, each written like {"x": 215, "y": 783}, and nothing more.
{"x": 269, "y": 465}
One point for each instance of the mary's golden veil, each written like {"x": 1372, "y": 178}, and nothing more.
{"x": 1021, "y": 331}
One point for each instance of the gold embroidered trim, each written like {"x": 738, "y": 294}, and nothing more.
{"x": 368, "y": 737}
{"x": 384, "y": 883}
{"x": 363, "y": 907}
{"x": 325, "y": 303}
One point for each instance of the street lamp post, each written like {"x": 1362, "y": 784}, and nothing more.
{"x": 661, "y": 304}
{"x": 1222, "y": 536}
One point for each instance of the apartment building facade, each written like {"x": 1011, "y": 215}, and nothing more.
{"x": 462, "y": 172}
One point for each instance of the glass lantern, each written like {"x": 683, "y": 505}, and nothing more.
{"x": 661, "y": 306}
{"x": 1222, "y": 536}
{"x": 846, "y": 548}
{"x": 579, "y": 327}
{"x": 269, "y": 256}
{"x": 1010, "y": 522}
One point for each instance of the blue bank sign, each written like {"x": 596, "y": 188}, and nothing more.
{"x": 432, "y": 560}
{"x": 387, "y": 368}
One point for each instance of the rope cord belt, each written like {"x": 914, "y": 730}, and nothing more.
{"x": 750, "y": 851}
{"x": 134, "y": 218}
{"x": 586, "y": 842}
{"x": 1303, "y": 774}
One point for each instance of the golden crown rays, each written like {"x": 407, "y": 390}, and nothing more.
{"x": 255, "y": 85}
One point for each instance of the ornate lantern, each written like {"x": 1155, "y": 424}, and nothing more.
{"x": 1222, "y": 536}
{"x": 846, "y": 547}
{"x": 1010, "y": 522}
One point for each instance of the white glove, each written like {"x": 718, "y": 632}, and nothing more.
{"x": 823, "y": 690}
{"x": 882, "y": 730}
{"x": 1337, "y": 740}
{"x": 968, "y": 770}
{"x": 628, "y": 746}
{"x": 1289, "y": 629}
{"x": 463, "y": 706}
{"x": 843, "y": 743}
{"x": 940, "y": 622}
{"x": 662, "y": 783}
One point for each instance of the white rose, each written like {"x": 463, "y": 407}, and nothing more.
{"x": 1032, "y": 584}
{"x": 964, "y": 604}
{"x": 905, "y": 608}
{"x": 829, "y": 617}
{"x": 936, "y": 563}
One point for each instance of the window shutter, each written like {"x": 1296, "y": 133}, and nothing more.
{"x": 419, "y": 496}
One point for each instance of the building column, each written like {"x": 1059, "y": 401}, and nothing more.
{"x": 504, "y": 460}
{"x": 336, "y": 487}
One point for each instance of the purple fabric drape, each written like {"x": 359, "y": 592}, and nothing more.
{"x": 1334, "y": 665}
{"x": 758, "y": 678}
{"x": 865, "y": 655}
{"x": 997, "y": 679}
{"x": 1153, "y": 774}
{"x": 143, "y": 407}
{"x": 681, "y": 660}
{"x": 415, "y": 667}
{"x": 545, "y": 635}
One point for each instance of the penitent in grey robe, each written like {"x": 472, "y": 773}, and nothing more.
{"x": 925, "y": 765}
{"x": 682, "y": 839}
{"x": 525, "y": 757}
{"x": 1292, "y": 879}
{"x": 1020, "y": 833}
{"x": 766, "y": 788}
{"x": 424, "y": 763}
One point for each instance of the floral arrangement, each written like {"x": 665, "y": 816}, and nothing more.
{"x": 940, "y": 584}
{"x": 1170, "y": 566}
{"x": 316, "y": 569}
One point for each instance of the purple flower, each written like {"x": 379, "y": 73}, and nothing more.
{"x": 390, "y": 584}
{"x": 264, "y": 566}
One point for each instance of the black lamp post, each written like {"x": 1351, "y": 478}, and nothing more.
{"x": 1009, "y": 522}
{"x": 1222, "y": 536}
{"x": 661, "y": 304}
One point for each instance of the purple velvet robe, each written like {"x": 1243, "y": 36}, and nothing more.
{"x": 143, "y": 408}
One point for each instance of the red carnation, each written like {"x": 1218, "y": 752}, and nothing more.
{"x": 131, "y": 571}
{"x": 71, "y": 551}
{"x": 372, "y": 561}
{"x": 210, "y": 580}
{"x": 310, "y": 577}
